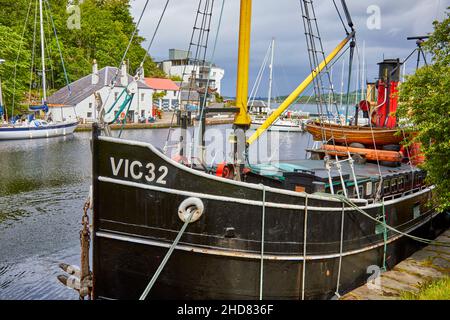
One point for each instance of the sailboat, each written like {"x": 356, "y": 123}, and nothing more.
{"x": 305, "y": 229}
{"x": 259, "y": 113}
{"x": 37, "y": 128}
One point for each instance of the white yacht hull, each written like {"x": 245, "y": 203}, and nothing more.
{"x": 30, "y": 132}
{"x": 282, "y": 126}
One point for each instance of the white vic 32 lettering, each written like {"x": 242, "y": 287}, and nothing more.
{"x": 134, "y": 169}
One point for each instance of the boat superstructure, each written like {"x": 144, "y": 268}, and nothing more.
{"x": 166, "y": 228}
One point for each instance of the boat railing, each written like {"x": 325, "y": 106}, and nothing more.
{"x": 405, "y": 193}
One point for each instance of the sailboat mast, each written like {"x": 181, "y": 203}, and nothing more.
{"x": 270, "y": 74}
{"x": 44, "y": 85}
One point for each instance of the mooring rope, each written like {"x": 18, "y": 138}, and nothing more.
{"x": 167, "y": 256}
{"x": 341, "y": 246}
{"x": 305, "y": 229}
{"x": 384, "y": 235}
{"x": 261, "y": 276}
{"x": 358, "y": 209}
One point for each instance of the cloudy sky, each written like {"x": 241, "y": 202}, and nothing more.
{"x": 281, "y": 19}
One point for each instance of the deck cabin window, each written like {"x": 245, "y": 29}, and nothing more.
{"x": 386, "y": 187}
{"x": 393, "y": 185}
{"x": 377, "y": 186}
{"x": 368, "y": 188}
{"x": 360, "y": 189}
{"x": 417, "y": 180}
{"x": 407, "y": 182}
{"x": 400, "y": 184}
{"x": 416, "y": 210}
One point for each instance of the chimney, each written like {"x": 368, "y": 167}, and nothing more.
{"x": 141, "y": 72}
{"x": 95, "y": 76}
{"x": 124, "y": 74}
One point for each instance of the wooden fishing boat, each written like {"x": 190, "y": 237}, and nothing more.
{"x": 140, "y": 194}
{"x": 306, "y": 229}
{"x": 350, "y": 134}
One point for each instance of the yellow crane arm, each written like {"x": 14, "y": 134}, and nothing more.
{"x": 291, "y": 98}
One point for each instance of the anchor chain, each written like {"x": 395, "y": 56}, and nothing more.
{"x": 85, "y": 239}
{"x": 80, "y": 278}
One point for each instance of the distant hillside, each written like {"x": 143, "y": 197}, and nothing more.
{"x": 353, "y": 96}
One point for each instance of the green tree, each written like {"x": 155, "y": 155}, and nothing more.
{"x": 15, "y": 78}
{"x": 424, "y": 101}
{"x": 105, "y": 30}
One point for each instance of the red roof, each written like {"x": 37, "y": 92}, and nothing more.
{"x": 161, "y": 84}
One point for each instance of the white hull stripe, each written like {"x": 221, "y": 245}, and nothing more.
{"x": 213, "y": 177}
{"x": 245, "y": 201}
{"x": 239, "y": 254}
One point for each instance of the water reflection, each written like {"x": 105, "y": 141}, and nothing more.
{"x": 43, "y": 185}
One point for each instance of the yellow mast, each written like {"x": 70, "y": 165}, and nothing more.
{"x": 291, "y": 98}
{"x": 242, "y": 119}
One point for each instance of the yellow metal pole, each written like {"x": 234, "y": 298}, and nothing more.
{"x": 242, "y": 118}
{"x": 291, "y": 98}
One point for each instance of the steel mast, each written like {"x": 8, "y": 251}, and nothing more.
{"x": 44, "y": 84}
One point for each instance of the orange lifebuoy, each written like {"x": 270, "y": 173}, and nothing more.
{"x": 122, "y": 115}
{"x": 225, "y": 170}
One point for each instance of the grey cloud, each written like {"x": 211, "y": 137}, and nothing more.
{"x": 282, "y": 19}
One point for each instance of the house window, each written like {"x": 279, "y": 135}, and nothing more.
{"x": 116, "y": 94}
{"x": 89, "y": 114}
{"x": 90, "y": 105}
{"x": 142, "y": 96}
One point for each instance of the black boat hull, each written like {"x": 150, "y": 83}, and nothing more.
{"x": 219, "y": 256}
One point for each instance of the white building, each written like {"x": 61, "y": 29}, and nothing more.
{"x": 182, "y": 65}
{"x": 169, "y": 88}
{"x": 79, "y": 101}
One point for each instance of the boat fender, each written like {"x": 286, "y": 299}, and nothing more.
{"x": 187, "y": 206}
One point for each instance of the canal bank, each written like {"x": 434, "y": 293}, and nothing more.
{"x": 427, "y": 265}
{"x": 168, "y": 120}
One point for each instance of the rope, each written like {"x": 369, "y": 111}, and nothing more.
{"x": 305, "y": 229}
{"x": 210, "y": 65}
{"x": 61, "y": 56}
{"x": 166, "y": 258}
{"x": 18, "y": 55}
{"x": 154, "y": 33}
{"x": 191, "y": 43}
{"x": 340, "y": 17}
{"x": 126, "y": 113}
{"x": 358, "y": 209}
{"x": 255, "y": 87}
{"x": 32, "y": 59}
{"x": 114, "y": 78}
{"x": 261, "y": 275}
{"x": 384, "y": 235}
{"x": 340, "y": 252}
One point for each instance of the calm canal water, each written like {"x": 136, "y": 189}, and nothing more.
{"x": 43, "y": 186}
